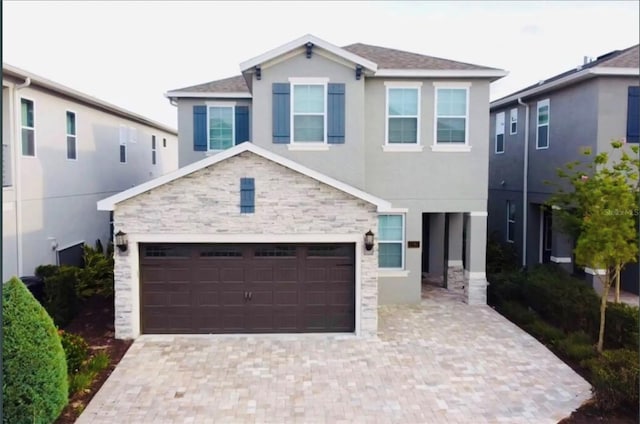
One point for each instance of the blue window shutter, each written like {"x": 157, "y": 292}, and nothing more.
{"x": 281, "y": 113}
{"x": 335, "y": 114}
{"x": 633, "y": 115}
{"x": 247, "y": 195}
{"x": 200, "y": 128}
{"x": 242, "y": 124}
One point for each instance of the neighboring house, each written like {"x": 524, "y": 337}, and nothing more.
{"x": 588, "y": 106}
{"x": 62, "y": 151}
{"x": 269, "y": 236}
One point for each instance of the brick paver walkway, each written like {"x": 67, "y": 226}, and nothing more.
{"x": 437, "y": 362}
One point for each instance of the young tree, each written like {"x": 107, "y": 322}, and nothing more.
{"x": 600, "y": 212}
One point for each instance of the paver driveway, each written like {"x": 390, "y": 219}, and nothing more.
{"x": 438, "y": 362}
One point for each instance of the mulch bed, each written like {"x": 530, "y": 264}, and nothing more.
{"x": 590, "y": 414}
{"x": 95, "y": 324}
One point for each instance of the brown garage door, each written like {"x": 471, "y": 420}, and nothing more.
{"x": 240, "y": 288}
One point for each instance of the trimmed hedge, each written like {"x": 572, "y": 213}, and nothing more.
{"x": 621, "y": 327}
{"x": 615, "y": 378}
{"x": 61, "y": 301}
{"x": 34, "y": 368}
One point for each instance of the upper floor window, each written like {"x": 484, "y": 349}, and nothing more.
{"x": 153, "y": 150}
{"x": 452, "y": 114}
{"x": 72, "y": 147}
{"x": 500, "y": 132}
{"x": 633, "y": 115}
{"x": 28, "y": 127}
{"x": 542, "y": 133}
{"x": 513, "y": 121}
{"x": 308, "y": 113}
{"x": 221, "y": 128}
{"x": 403, "y": 115}
{"x": 391, "y": 241}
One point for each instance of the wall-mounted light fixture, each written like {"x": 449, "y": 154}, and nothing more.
{"x": 258, "y": 72}
{"x": 368, "y": 240}
{"x": 122, "y": 241}
{"x": 358, "y": 72}
{"x": 309, "y": 47}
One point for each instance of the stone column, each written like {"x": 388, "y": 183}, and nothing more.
{"x": 476, "y": 250}
{"x": 436, "y": 246}
{"x": 455, "y": 272}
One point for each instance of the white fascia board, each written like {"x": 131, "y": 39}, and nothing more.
{"x": 285, "y": 48}
{"x": 584, "y": 74}
{"x": 442, "y": 73}
{"x": 109, "y": 203}
{"x": 210, "y": 94}
{"x": 76, "y": 95}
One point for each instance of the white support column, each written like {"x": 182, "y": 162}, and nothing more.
{"x": 455, "y": 272}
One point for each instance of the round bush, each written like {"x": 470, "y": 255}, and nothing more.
{"x": 34, "y": 368}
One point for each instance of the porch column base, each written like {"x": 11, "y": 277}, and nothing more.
{"x": 475, "y": 288}
{"x": 455, "y": 278}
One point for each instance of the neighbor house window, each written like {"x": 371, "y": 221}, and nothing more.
{"x": 500, "y": 132}
{"x": 72, "y": 146}
{"x": 513, "y": 121}
{"x": 153, "y": 150}
{"x": 221, "y": 127}
{"x": 542, "y": 134}
{"x": 451, "y": 115}
{"x": 124, "y": 134}
{"x": 309, "y": 112}
{"x": 391, "y": 241}
{"x": 164, "y": 142}
{"x": 403, "y": 114}
{"x": 28, "y": 128}
{"x": 511, "y": 221}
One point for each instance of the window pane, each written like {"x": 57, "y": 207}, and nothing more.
{"x": 308, "y": 128}
{"x": 543, "y": 136}
{"x": 403, "y": 101}
{"x": 512, "y": 211}
{"x": 543, "y": 115}
{"x": 71, "y": 147}
{"x": 390, "y": 227}
{"x": 511, "y": 230}
{"x": 452, "y": 102}
{"x": 153, "y": 157}
{"x": 71, "y": 123}
{"x": 27, "y": 113}
{"x": 28, "y": 142}
{"x": 308, "y": 99}
{"x": 451, "y": 130}
{"x": 220, "y": 128}
{"x": 123, "y": 153}
{"x": 500, "y": 143}
{"x": 390, "y": 255}
{"x": 403, "y": 130}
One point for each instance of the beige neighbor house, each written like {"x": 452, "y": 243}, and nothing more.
{"x": 321, "y": 182}
{"x": 62, "y": 151}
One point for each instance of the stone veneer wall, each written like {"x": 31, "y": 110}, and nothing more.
{"x": 207, "y": 202}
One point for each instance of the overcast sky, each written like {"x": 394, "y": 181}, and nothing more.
{"x": 131, "y": 53}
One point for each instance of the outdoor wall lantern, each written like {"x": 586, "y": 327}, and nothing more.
{"x": 368, "y": 240}
{"x": 122, "y": 241}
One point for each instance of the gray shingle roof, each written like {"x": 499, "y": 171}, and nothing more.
{"x": 398, "y": 59}
{"x": 235, "y": 84}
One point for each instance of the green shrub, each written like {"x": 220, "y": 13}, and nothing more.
{"x": 545, "y": 332}
{"x": 98, "y": 362}
{"x": 517, "y": 313}
{"x": 501, "y": 257}
{"x": 96, "y": 278}
{"x": 44, "y": 271}
{"x": 577, "y": 346}
{"x": 76, "y": 350}
{"x": 80, "y": 381}
{"x": 615, "y": 378}
{"x": 61, "y": 301}
{"x": 34, "y": 369}
{"x": 621, "y": 327}
{"x": 505, "y": 286}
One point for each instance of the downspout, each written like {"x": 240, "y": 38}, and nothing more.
{"x": 18, "y": 160}
{"x": 525, "y": 183}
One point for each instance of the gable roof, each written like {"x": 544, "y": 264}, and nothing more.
{"x": 36, "y": 80}
{"x": 109, "y": 203}
{"x": 624, "y": 62}
{"x": 232, "y": 87}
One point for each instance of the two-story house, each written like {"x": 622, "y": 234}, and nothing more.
{"x": 365, "y": 168}
{"x": 539, "y": 129}
{"x": 62, "y": 151}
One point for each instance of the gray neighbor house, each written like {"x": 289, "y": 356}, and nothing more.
{"x": 540, "y": 128}
{"x": 319, "y": 183}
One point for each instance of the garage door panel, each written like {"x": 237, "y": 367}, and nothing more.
{"x": 291, "y": 290}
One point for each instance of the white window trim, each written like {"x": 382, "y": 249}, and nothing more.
{"x": 498, "y": 116}
{"x": 402, "y": 268}
{"x": 513, "y": 113}
{"x": 452, "y": 85}
{"x": 540, "y": 104}
{"x": 310, "y": 145}
{"x": 133, "y": 135}
{"x": 75, "y": 136}
{"x": 231, "y": 105}
{"x": 509, "y": 221}
{"x": 35, "y": 144}
{"x": 402, "y": 147}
